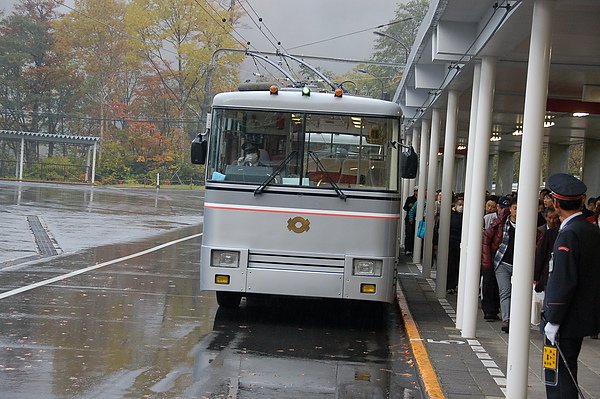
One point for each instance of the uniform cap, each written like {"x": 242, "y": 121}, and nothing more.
{"x": 249, "y": 147}
{"x": 504, "y": 202}
{"x": 566, "y": 187}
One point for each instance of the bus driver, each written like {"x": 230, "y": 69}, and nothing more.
{"x": 251, "y": 155}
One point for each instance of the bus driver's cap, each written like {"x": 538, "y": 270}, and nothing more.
{"x": 249, "y": 147}
{"x": 566, "y": 187}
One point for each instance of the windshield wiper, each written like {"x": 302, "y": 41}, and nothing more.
{"x": 339, "y": 192}
{"x": 277, "y": 171}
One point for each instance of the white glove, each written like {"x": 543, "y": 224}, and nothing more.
{"x": 550, "y": 331}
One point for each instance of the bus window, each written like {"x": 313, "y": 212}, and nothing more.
{"x": 355, "y": 152}
{"x": 248, "y": 146}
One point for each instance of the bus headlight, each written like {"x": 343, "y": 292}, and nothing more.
{"x": 367, "y": 267}
{"x": 220, "y": 258}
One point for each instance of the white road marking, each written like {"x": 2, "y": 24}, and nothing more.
{"x": 90, "y": 268}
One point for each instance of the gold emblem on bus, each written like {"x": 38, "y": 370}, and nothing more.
{"x": 298, "y": 224}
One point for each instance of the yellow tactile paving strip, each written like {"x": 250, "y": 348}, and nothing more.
{"x": 426, "y": 371}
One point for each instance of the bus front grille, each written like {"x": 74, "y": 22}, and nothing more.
{"x": 307, "y": 263}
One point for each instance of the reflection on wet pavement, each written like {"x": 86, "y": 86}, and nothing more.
{"x": 79, "y": 217}
{"x": 113, "y": 333}
{"x": 141, "y": 328}
{"x": 294, "y": 348}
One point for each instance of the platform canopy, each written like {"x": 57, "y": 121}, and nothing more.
{"x": 47, "y": 137}
{"x": 90, "y": 141}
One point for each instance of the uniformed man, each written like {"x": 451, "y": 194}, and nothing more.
{"x": 572, "y": 303}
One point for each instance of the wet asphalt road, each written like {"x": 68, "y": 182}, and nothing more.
{"x": 140, "y": 328}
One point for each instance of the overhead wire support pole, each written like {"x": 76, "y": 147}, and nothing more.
{"x": 208, "y": 81}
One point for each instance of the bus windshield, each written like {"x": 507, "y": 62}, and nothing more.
{"x": 313, "y": 150}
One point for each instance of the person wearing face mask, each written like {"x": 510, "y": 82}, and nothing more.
{"x": 454, "y": 244}
{"x": 250, "y": 156}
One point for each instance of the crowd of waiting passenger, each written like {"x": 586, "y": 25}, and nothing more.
{"x": 499, "y": 223}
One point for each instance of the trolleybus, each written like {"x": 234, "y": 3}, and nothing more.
{"x": 302, "y": 195}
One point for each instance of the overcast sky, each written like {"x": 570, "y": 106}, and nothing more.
{"x": 298, "y": 22}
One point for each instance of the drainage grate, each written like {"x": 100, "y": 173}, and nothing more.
{"x": 42, "y": 239}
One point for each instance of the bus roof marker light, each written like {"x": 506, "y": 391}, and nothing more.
{"x": 338, "y": 92}
{"x": 274, "y": 90}
{"x": 306, "y": 91}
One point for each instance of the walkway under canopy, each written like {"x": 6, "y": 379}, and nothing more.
{"x": 500, "y": 77}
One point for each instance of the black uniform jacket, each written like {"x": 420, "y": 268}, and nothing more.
{"x": 573, "y": 290}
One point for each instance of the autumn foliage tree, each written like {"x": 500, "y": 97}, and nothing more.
{"x": 35, "y": 84}
{"x": 92, "y": 37}
{"x": 133, "y": 72}
{"x": 178, "y": 38}
{"x": 138, "y": 149}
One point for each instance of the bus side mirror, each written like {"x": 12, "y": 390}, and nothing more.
{"x": 409, "y": 163}
{"x": 199, "y": 150}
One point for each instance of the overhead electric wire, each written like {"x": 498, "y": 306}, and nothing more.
{"x": 290, "y": 68}
{"x": 259, "y": 28}
{"x": 264, "y": 67}
{"x": 128, "y": 118}
{"x": 265, "y": 25}
{"x": 351, "y": 33}
{"x": 219, "y": 23}
{"x": 256, "y": 65}
{"x": 270, "y": 32}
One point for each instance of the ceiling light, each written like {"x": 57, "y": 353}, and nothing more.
{"x": 495, "y": 136}
{"x": 580, "y": 114}
{"x": 518, "y": 131}
{"x": 548, "y": 122}
{"x": 461, "y": 147}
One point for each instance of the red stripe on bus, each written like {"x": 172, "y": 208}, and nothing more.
{"x": 301, "y": 212}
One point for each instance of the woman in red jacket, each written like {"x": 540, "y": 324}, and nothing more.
{"x": 497, "y": 254}
{"x": 492, "y": 239}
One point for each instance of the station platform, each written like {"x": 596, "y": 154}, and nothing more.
{"x": 454, "y": 367}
